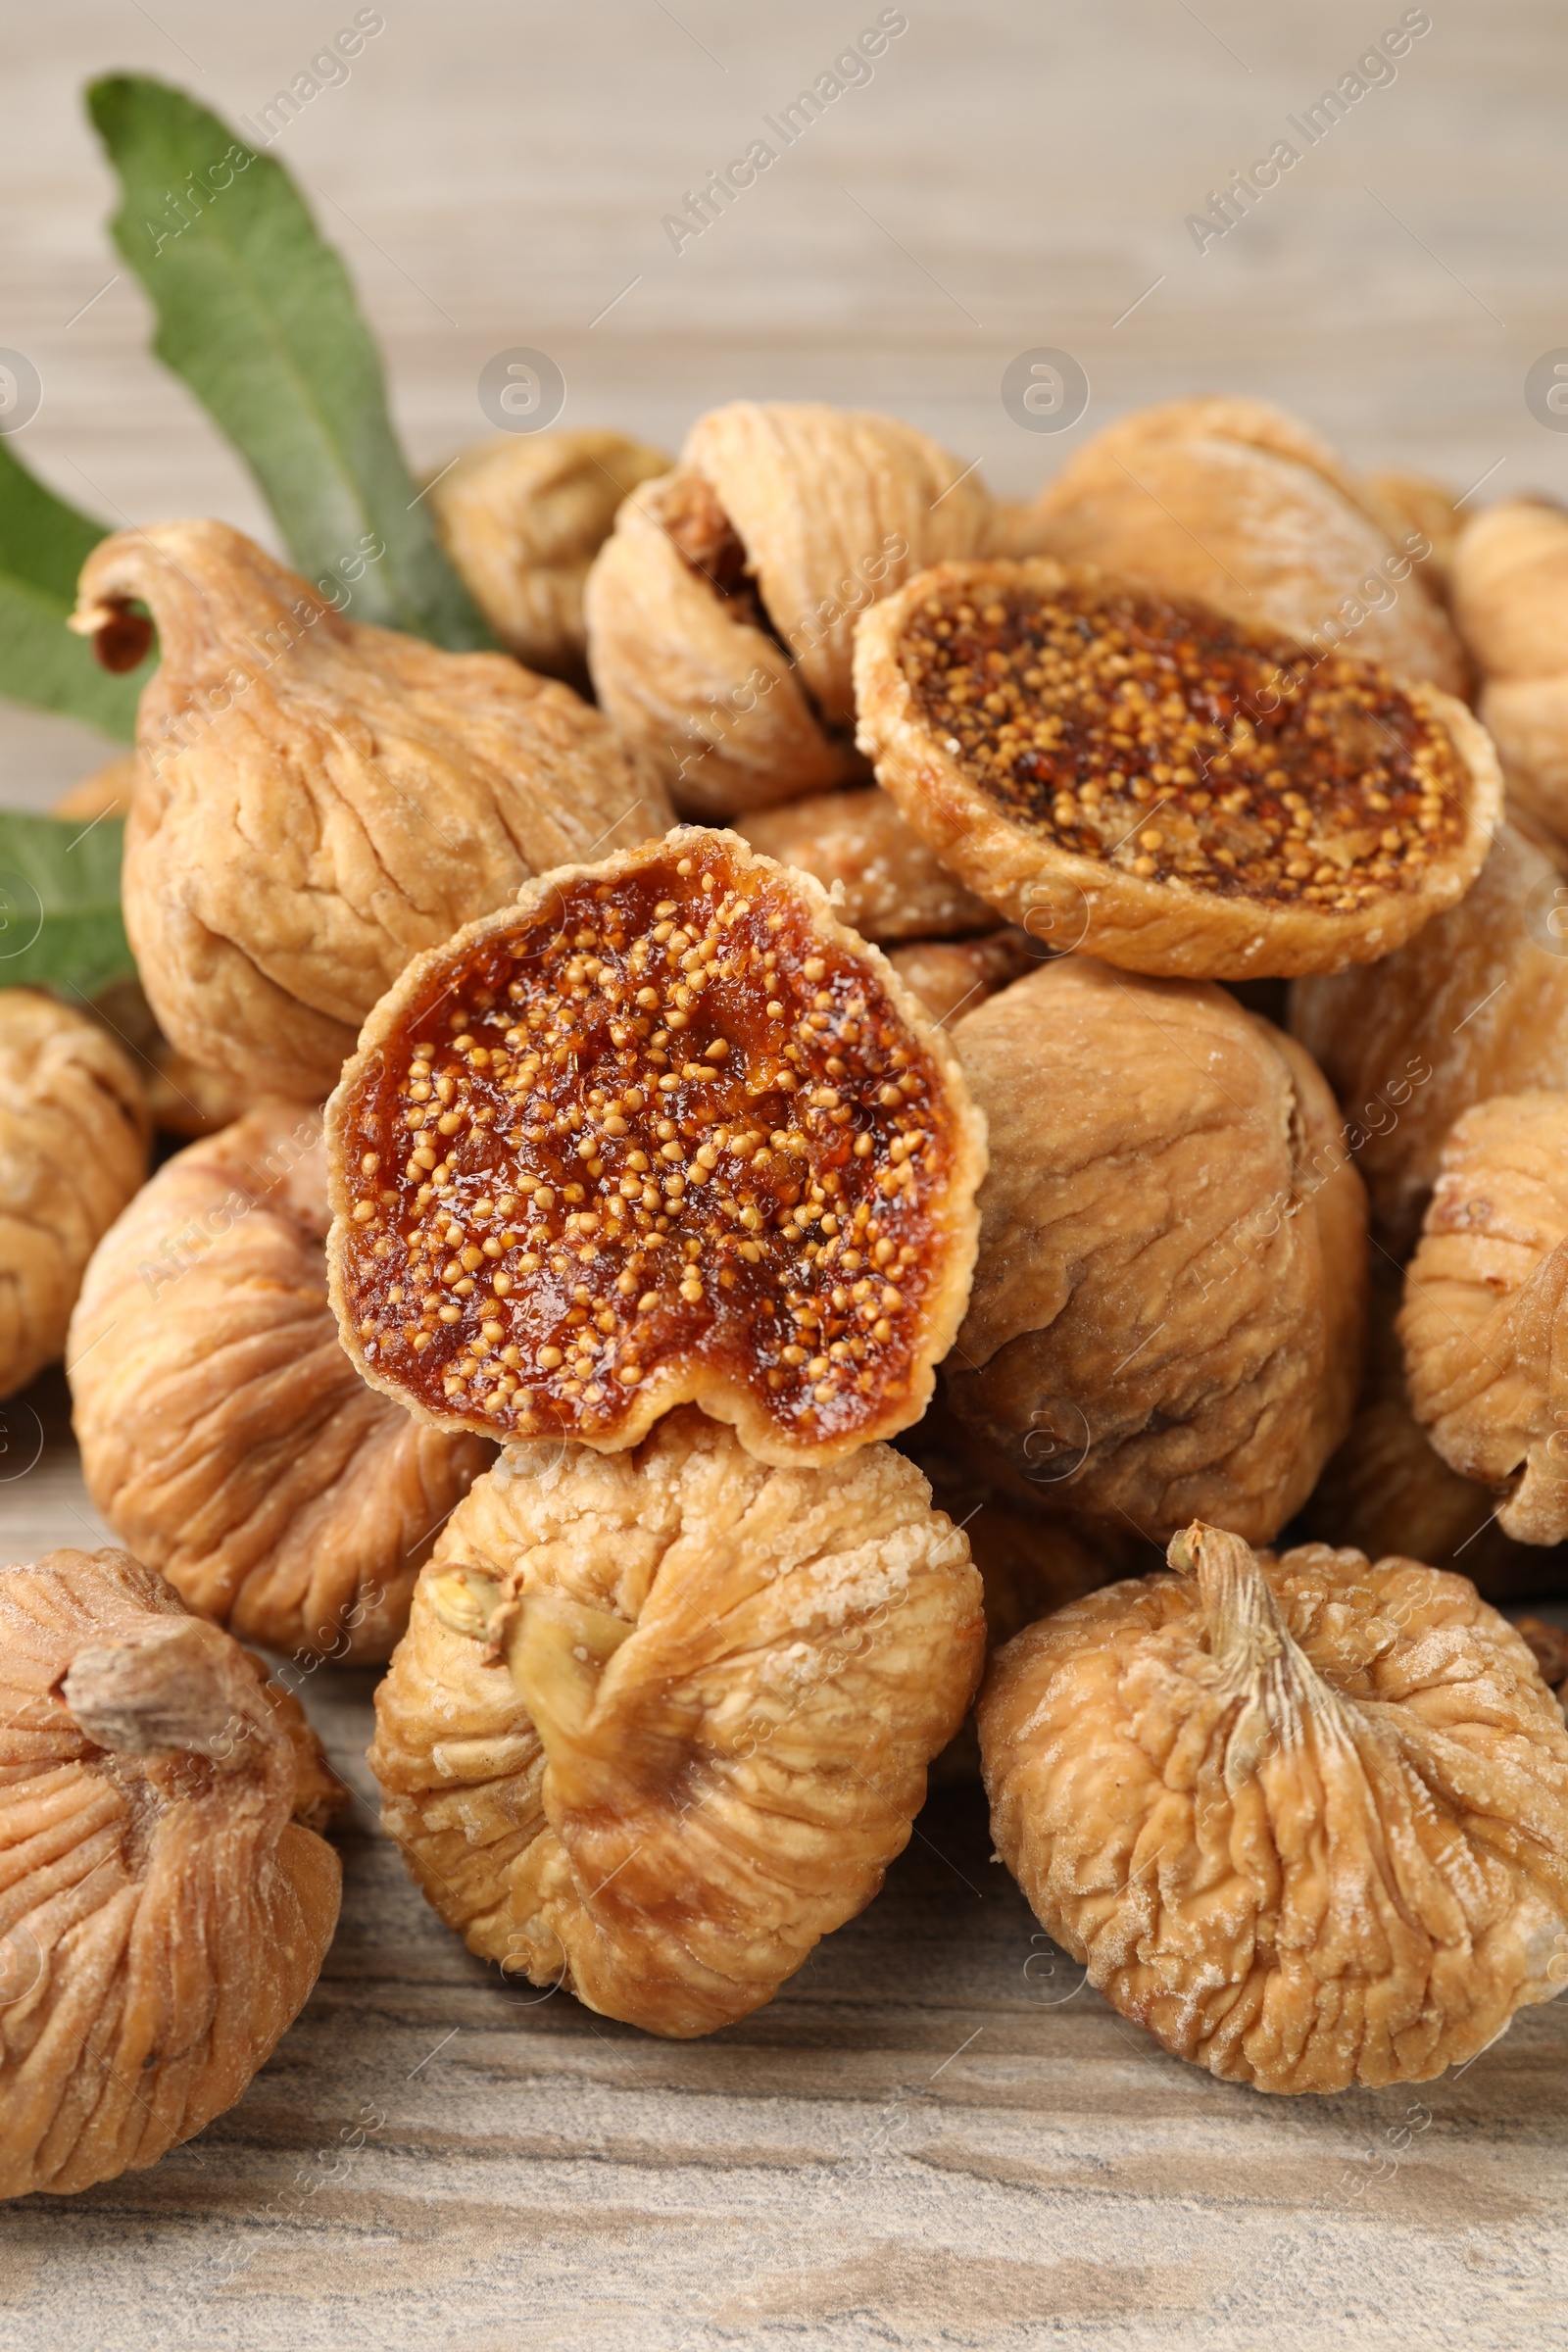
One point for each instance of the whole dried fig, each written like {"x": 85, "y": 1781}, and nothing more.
{"x": 1174, "y": 789}
{"x": 1306, "y": 1819}
{"x": 1169, "y": 1300}
{"x": 1485, "y": 1302}
{"x": 662, "y": 1131}
{"x": 166, "y": 1909}
{"x": 1387, "y": 1486}
{"x": 224, "y": 1431}
{"x": 317, "y": 800}
{"x": 660, "y": 1719}
{"x": 1510, "y": 600}
{"x": 1411, "y": 506}
{"x": 887, "y": 884}
{"x": 721, "y": 609}
{"x": 1237, "y": 505}
{"x": 73, "y": 1135}
{"x": 953, "y": 977}
{"x": 522, "y": 518}
{"x": 1476, "y": 1005}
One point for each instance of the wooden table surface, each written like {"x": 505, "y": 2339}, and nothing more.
{"x": 935, "y": 2134}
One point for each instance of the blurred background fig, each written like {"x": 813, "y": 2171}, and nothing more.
{"x": 1242, "y": 506}
{"x": 74, "y": 1137}
{"x": 316, "y": 800}
{"x": 522, "y": 518}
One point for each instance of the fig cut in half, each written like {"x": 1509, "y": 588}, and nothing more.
{"x": 662, "y": 1131}
{"x": 1162, "y": 787}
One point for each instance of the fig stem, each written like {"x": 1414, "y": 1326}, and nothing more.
{"x": 556, "y": 1649}
{"x": 181, "y": 1684}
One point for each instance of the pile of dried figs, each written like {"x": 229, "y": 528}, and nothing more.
{"x": 722, "y": 1196}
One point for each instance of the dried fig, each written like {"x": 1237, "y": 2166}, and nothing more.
{"x": 1169, "y": 1300}
{"x": 74, "y": 1138}
{"x": 662, "y": 1131}
{"x": 1476, "y": 1005}
{"x": 1240, "y": 507}
{"x": 166, "y": 1910}
{"x": 887, "y": 884}
{"x": 105, "y": 793}
{"x": 1306, "y": 1819}
{"x": 523, "y": 518}
{"x": 1387, "y": 1486}
{"x": 1485, "y": 1305}
{"x": 662, "y": 1718}
{"x": 1411, "y": 506}
{"x": 1030, "y": 1560}
{"x": 317, "y": 800}
{"x": 1510, "y": 600}
{"x": 721, "y": 609}
{"x": 224, "y": 1431}
{"x": 953, "y": 977}
{"x": 1182, "y": 794}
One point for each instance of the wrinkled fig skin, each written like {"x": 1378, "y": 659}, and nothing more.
{"x": 166, "y": 1912}
{"x": 1486, "y": 1310}
{"x": 1386, "y": 1487}
{"x": 1406, "y": 504}
{"x": 317, "y": 800}
{"x": 73, "y": 1134}
{"x": 1476, "y": 1005}
{"x": 522, "y": 518}
{"x": 1510, "y": 600}
{"x": 224, "y": 1431}
{"x": 1238, "y": 504}
{"x": 721, "y": 610}
{"x": 1168, "y": 1301}
{"x": 893, "y": 886}
{"x": 699, "y": 1732}
{"x": 1306, "y": 1819}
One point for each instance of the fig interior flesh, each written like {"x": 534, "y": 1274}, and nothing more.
{"x": 663, "y": 1132}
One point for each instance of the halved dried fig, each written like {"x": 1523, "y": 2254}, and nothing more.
{"x": 1306, "y": 1819}
{"x": 1240, "y": 506}
{"x": 1485, "y": 1306}
{"x": 317, "y": 800}
{"x": 522, "y": 518}
{"x": 1476, "y": 1005}
{"x": 224, "y": 1431}
{"x": 1169, "y": 1300}
{"x": 662, "y": 1719}
{"x": 721, "y": 610}
{"x": 166, "y": 1910}
{"x": 888, "y": 884}
{"x": 1510, "y": 600}
{"x": 664, "y": 1131}
{"x": 73, "y": 1136}
{"x": 1194, "y": 798}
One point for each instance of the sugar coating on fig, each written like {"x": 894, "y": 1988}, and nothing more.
{"x": 662, "y": 1718}
{"x": 166, "y": 1909}
{"x": 664, "y": 1131}
{"x": 1306, "y": 1819}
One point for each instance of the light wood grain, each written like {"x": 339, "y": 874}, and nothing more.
{"x": 925, "y": 2138}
